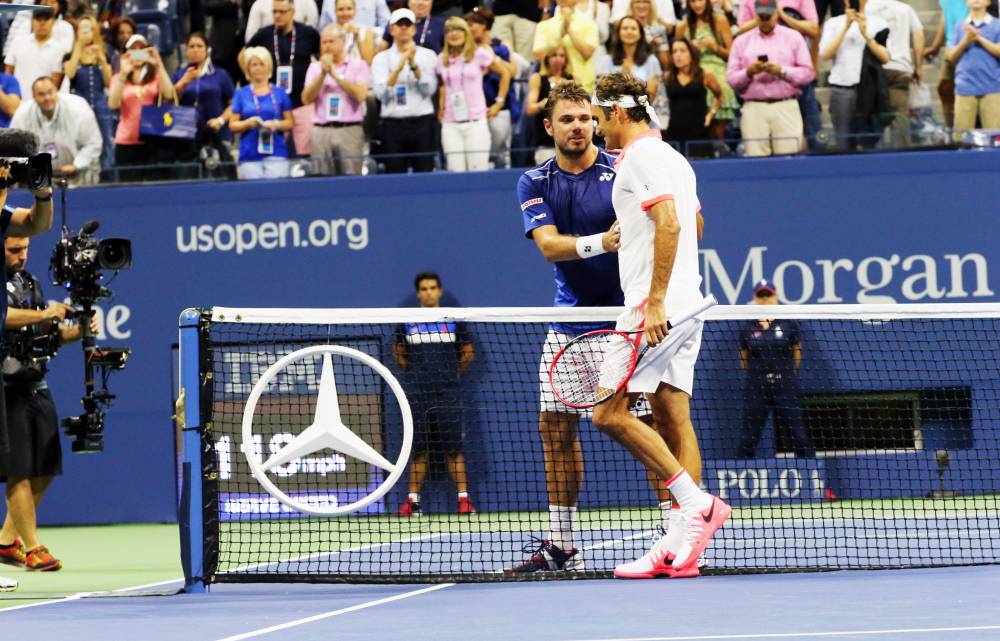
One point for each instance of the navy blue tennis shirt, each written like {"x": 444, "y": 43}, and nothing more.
{"x": 578, "y": 205}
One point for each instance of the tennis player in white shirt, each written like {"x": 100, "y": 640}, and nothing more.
{"x": 658, "y": 213}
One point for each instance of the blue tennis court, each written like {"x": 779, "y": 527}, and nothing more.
{"x": 946, "y": 603}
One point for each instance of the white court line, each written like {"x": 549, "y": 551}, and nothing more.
{"x": 334, "y": 613}
{"x": 244, "y": 569}
{"x": 803, "y": 635}
{"x": 80, "y": 595}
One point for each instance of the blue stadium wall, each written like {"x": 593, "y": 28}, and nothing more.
{"x": 919, "y": 227}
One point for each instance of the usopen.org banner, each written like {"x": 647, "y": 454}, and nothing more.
{"x": 748, "y": 482}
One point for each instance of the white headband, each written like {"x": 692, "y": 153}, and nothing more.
{"x": 627, "y": 102}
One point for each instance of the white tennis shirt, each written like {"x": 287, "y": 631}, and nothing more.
{"x": 651, "y": 171}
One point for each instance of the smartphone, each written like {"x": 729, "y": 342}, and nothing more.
{"x": 139, "y": 55}
{"x": 762, "y": 58}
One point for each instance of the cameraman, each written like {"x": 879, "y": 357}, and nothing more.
{"x": 19, "y": 222}
{"x": 32, "y": 332}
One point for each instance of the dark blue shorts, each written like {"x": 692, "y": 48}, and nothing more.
{"x": 437, "y": 419}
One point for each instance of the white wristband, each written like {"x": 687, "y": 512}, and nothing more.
{"x": 589, "y": 246}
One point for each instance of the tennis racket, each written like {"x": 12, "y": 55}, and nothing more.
{"x": 595, "y": 366}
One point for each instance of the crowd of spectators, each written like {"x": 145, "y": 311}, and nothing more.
{"x": 348, "y": 87}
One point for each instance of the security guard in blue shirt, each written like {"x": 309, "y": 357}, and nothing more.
{"x": 771, "y": 352}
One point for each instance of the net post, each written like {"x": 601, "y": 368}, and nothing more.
{"x": 190, "y": 506}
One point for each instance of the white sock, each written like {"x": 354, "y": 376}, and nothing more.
{"x": 415, "y": 497}
{"x": 463, "y": 495}
{"x": 683, "y": 488}
{"x": 665, "y": 509}
{"x": 562, "y": 524}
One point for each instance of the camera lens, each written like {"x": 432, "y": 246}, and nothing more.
{"x": 115, "y": 253}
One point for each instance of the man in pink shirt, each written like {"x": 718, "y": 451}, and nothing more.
{"x": 768, "y": 66}
{"x": 801, "y": 15}
{"x": 802, "y": 18}
{"x": 337, "y": 87}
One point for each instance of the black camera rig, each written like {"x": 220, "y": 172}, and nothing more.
{"x": 78, "y": 263}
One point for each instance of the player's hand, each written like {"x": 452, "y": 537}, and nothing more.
{"x": 58, "y": 311}
{"x": 755, "y": 68}
{"x": 772, "y": 68}
{"x": 656, "y": 324}
{"x": 612, "y": 239}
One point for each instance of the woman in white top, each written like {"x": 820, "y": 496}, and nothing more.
{"x": 360, "y": 43}
{"x": 631, "y": 54}
{"x": 465, "y": 132}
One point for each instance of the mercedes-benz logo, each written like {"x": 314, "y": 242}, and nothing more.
{"x": 327, "y": 430}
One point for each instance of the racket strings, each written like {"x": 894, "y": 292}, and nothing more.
{"x": 592, "y": 368}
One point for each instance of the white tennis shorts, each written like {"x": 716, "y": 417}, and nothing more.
{"x": 555, "y": 341}
{"x": 671, "y": 362}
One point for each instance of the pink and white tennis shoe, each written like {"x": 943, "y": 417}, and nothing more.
{"x": 701, "y": 526}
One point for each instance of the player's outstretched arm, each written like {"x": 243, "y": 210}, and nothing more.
{"x": 559, "y": 247}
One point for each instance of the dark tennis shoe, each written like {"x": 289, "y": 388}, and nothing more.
{"x": 546, "y": 556}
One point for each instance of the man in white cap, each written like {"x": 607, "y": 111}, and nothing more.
{"x": 404, "y": 80}
{"x": 428, "y": 30}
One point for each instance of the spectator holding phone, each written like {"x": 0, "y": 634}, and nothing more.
{"x": 767, "y": 68}
{"x": 143, "y": 81}
{"x": 209, "y": 90}
{"x": 262, "y": 113}
{"x": 844, "y": 41}
{"x": 89, "y": 74}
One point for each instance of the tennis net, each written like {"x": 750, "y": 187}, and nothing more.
{"x": 844, "y": 436}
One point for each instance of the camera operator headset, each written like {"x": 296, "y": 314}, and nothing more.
{"x": 21, "y": 222}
